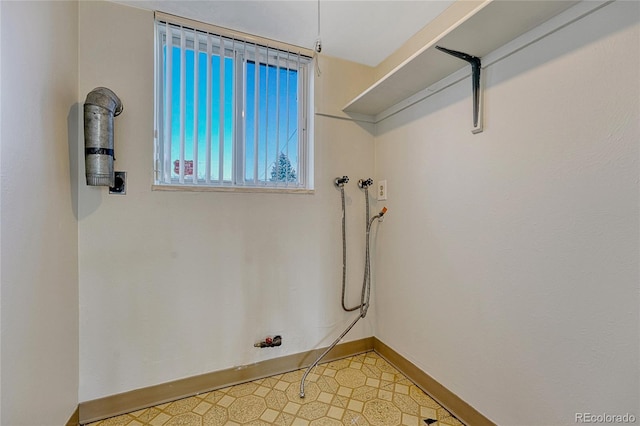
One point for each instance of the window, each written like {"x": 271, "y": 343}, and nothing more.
{"x": 232, "y": 110}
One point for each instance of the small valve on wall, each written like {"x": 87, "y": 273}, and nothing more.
{"x": 269, "y": 342}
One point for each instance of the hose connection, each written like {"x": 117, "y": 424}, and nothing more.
{"x": 340, "y": 181}
{"x": 379, "y": 215}
{"x": 365, "y": 183}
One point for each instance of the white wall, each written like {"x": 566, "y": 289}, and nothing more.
{"x": 39, "y": 227}
{"x": 508, "y": 263}
{"x": 178, "y": 284}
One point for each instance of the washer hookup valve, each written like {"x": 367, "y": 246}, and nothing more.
{"x": 269, "y": 342}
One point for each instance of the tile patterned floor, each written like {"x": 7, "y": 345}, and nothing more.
{"x": 361, "y": 390}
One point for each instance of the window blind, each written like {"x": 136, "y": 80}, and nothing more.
{"x": 229, "y": 101}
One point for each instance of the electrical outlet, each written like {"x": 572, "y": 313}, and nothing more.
{"x": 382, "y": 190}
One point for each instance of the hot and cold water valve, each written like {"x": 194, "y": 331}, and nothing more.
{"x": 269, "y": 342}
{"x": 341, "y": 181}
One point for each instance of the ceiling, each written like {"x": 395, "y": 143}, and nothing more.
{"x": 364, "y": 31}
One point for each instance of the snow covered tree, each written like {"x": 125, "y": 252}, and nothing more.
{"x": 282, "y": 170}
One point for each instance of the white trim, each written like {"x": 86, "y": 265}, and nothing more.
{"x": 238, "y": 189}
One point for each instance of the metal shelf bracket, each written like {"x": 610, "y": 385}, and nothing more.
{"x": 476, "y": 65}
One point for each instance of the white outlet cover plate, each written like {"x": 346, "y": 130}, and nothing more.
{"x": 381, "y": 190}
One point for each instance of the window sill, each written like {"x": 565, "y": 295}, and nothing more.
{"x": 237, "y": 189}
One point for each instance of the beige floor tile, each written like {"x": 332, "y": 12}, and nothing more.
{"x": 326, "y": 421}
{"x": 388, "y": 377}
{"x": 213, "y": 397}
{"x": 371, "y": 371}
{"x": 216, "y": 416}
{"x": 382, "y": 413}
{"x": 355, "y": 405}
{"x": 115, "y": 421}
{"x": 373, "y": 382}
{"x": 364, "y": 393}
{"x": 182, "y": 406}
{"x": 329, "y": 372}
{"x": 281, "y": 385}
{"x": 370, "y": 360}
{"x": 344, "y": 391}
{"x": 276, "y": 399}
{"x": 243, "y": 389}
{"x": 335, "y": 413}
{"x": 202, "y": 408}
{"x": 291, "y": 408}
{"x": 325, "y": 397}
{"x": 340, "y": 401}
{"x": 284, "y": 419}
{"x": 328, "y": 384}
{"x": 409, "y": 420}
{"x": 226, "y": 401}
{"x": 428, "y": 413}
{"x": 385, "y": 394}
{"x": 247, "y": 409}
{"x": 354, "y": 418}
{"x": 262, "y": 391}
{"x": 313, "y": 410}
{"x": 339, "y": 364}
{"x": 351, "y": 378}
{"x": 269, "y": 415}
{"x": 138, "y": 413}
{"x": 160, "y": 419}
{"x": 402, "y": 389}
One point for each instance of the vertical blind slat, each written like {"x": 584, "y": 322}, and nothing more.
{"x": 256, "y": 101}
{"x": 183, "y": 99}
{"x": 288, "y": 84}
{"x": 208, "y": 119}
{"x": 266, "y": 113}
{"x": 168, "y": 98}
{"x": 242, "y": 161}
{"x": 278, "y": 113}
{"x": 298, "y": 134}
{"x": 196, "y": 101}
{"x": 221, "y": 123}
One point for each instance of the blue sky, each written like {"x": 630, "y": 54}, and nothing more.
{"x": 275, "y": 132}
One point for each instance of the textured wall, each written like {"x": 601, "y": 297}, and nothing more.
{"x": 508, "y": 263}
{"x": 39, "y": 206}
{"x": 175, "y": 284}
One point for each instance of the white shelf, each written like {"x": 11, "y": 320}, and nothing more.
{"x": 491, "y": 25}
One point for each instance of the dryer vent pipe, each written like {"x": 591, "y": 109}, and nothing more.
{"x": 100, "y": 107}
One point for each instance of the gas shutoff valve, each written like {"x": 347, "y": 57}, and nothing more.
{"x": 269, "y": 342}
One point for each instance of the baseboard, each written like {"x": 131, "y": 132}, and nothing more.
{"x": 74, "y": 420}
{"x": 102, "y": 408}
{"x": 453, "y": 403}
